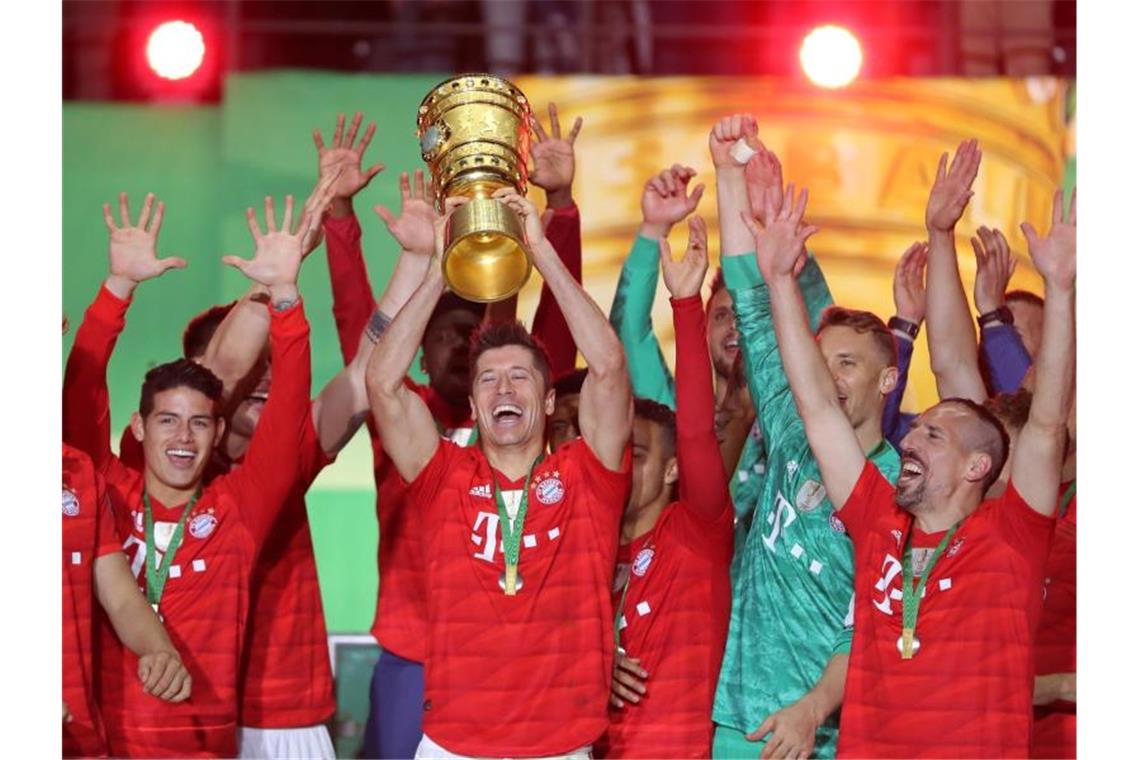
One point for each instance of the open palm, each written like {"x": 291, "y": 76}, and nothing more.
{"x": 1055, "y": 255}
{"x": 414, "y": 228}
{"x": 780, "y": 245}
{"x": 346, "y": 158}
{"x": 553, "y": 154}
{"x": 132, "y": 253}
{"x": 951, "y": 189}
{"x": 277, "y": 253}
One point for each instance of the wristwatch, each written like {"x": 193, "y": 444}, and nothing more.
{"x": 1001, "y": 314}
{"x": 903, "y": 326}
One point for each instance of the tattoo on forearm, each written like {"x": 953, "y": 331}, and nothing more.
{"x": 377, "y": 324}
{"x": 284, "y": 304}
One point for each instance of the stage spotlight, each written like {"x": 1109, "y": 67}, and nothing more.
{"x": 831, "y": 56}
{"x": 175, "y": 50}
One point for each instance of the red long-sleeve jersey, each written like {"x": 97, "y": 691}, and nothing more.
{"x": 207, "y": 596}
{"x": 676, "y": 607}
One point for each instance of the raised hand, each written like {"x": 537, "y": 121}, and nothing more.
{"x": 317, "y": 205}
{"x": 277, "y": 253}
{"x": 725, "y": 134}
{"x": 414, "y": 228}
{"x": 780, "y": 246}
{"x": 553, "y": 158}
{"x": 684, "y": 278}
{"x": 666, "y": 200}
{"x": 164, "y": 676}
{"x": 995, "y": 268}
{"x": 763, "y": 171}
{"x": 910, "y": 283}
{"x": 528, "y": 214}
{"x": 133, "y": 258}
{"x": 951, "y": 189}
{"x": 345, "y": 159}
{"x": 1055, "y": 255}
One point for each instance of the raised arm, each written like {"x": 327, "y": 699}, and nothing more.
{"x": 342, "y": 405}
{"x": 664, "y": 202}
{"x": 910, "y": 309}
{"x": 1005, "y": 357}
{"x": 553, "y": 157}
{"x": 271, "y": 466}
{"x": 704, "y": 485}
{"x": 132, "y": 259}
{"x": 352, "y": 292}
{"x": 605, "y": 412}
{"x": 239, "y": 343}
{"x": 780, "y": 252}
{"x": 404, "y": 422}
{"x": 951, "y": 337}
{"x": 1040, "y": 449}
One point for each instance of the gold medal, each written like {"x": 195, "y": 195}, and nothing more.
{"x": 510, "y": 581}
{"x": 908, "y": 644}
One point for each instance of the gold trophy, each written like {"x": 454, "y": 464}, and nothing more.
{"x": 475, "y": 139}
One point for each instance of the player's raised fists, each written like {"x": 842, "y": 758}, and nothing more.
{"x": 133, "y": 255}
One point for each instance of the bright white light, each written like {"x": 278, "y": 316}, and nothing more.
{"x": 831, "y": 56}
{"x": 175, "y": 49}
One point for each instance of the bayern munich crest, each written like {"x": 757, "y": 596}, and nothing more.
{"x": 203, "y": 525}
{"x": 641, "y": 562}
{"x": 70, "y": 503}
{"x": 550, "y": 491}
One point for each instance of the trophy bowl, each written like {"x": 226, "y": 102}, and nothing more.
{"x": 474, "y": 137}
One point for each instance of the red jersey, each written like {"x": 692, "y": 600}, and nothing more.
{"x": 525, "y": 675}
{"x": 206, "y": 598}
{"x": 968, "y": 690}
{"x": 400, "y": 623}
{"x": 286, "y": 678}
{"x": 677, "y": 602}
{"x": 88, "y": 533}
{"x": 1055, "y": 725}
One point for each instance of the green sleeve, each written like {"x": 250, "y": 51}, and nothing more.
{"x": 630, "y": 316}
{"x": 842, "y": 643}
{"x": 775, "y": 408}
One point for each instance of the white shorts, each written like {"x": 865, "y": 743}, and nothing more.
{"x": 282, "y": 743}
{"x": 429, "y": 750}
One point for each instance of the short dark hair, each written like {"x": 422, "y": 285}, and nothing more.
{"x": 499, "y": 334}
{"x": 1024, "y": 296}
{"x": 180, "y": 373}
{"x": 450, "y": 302}
{"x": 199, "y": 330}
{"x": 862, "y": 322}
{"x": 652, "y": 411}
{"x": 1012, "y": 409}
{"x": 995, "y": 441}
{"x": 570, "y": 382}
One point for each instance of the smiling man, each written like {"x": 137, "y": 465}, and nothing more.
{"x": 948, "y": 583}
{"x": 521, "y": 545}
{"x": 193, "y": 546}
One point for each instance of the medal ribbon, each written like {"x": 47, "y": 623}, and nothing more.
{"x": 512, "y": 538}
{"x": 1067, "y": 499}
{"x": 912, "y": 595}
{"x": 156, "y": 575}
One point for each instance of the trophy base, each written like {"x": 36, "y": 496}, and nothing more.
{"x": 485, "y": 259}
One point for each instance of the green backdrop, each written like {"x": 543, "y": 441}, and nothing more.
{"x": 209, "y": 163}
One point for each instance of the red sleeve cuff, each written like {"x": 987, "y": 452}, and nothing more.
{"x": 344, "y": 226}
{"x": 565, "y": 212}
{"x": 686, "y": 303}
{"x": 108, "y": 306}
{"x": 289, "y": 321}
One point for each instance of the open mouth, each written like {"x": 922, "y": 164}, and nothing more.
{"x": 732, "y": 345}
{"x": 912, "y": 469}
{"x": 182, "y": 458}
{"x": 507, "y": 414}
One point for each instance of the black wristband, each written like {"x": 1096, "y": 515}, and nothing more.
{"x": 904, "y": 326}
{"x": 1001, "y": 314}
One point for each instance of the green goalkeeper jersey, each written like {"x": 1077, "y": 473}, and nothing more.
{"x": 792, "y": 597}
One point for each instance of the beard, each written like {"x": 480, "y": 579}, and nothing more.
{"x": 911, "y": 497}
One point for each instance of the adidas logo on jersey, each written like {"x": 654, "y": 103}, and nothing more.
{"x": 483, "y": 491}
